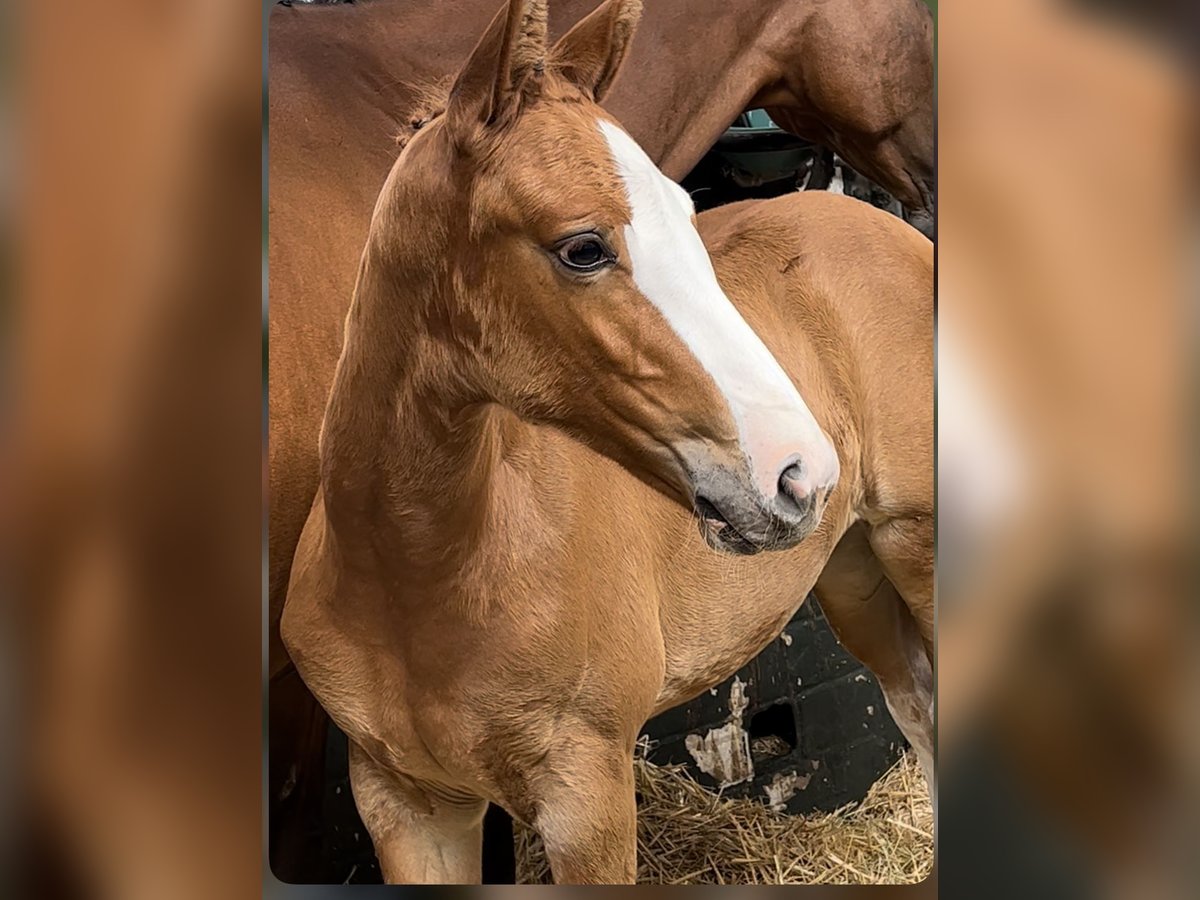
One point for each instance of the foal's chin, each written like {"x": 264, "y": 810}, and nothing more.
{"x": 724, "y": 537}
{"x": 731, "y": 543}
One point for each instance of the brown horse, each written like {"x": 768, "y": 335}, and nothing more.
{"x": 553, "y": 407}
{"x": 346, "y": 80}
{"x": 853, "y": 75}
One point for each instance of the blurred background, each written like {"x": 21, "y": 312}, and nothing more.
{"x": 130, "y": 139}
{"x": 1066, "y": 332}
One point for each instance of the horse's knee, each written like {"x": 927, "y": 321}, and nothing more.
{"x": 589, "y": 827}
{"x": 421, "y": 836}
{"x": 591, "y": 845}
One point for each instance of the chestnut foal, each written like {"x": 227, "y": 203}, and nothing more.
{"x": 556, "y": 443}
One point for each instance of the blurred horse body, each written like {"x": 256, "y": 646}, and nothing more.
{"x": 1064, "y": 640}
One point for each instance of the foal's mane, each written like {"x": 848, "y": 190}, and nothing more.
{"x": 429, "y": 102}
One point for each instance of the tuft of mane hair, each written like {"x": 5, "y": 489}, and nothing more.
{"x": 429, "y": 102}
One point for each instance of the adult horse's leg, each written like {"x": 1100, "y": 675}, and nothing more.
{"x": 872, "y": 620}
{"x": 420, "y": 837}
{"x": 587, "y": 813}
{"x": 821, "y": 173}
{"x": 296, "y": 779}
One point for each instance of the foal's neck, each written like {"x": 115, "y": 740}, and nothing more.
{"x": 408, "y": 450}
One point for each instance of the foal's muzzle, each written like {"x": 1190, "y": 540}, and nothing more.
{"x": 734, "y": 516}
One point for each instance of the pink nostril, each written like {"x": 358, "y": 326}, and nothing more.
{"x": 794, "y": 485}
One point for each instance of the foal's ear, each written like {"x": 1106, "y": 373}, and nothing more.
{"x": 512, "y": 50}
{"x": 591, "y": 53}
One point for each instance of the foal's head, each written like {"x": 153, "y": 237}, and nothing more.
{"x": 563, "y": 277}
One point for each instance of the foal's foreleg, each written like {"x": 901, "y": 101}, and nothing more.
{"x": 587, "y": 814}
{"x": 420, "y": 836}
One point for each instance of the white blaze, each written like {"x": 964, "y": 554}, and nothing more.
{"x": 672, "y": 269}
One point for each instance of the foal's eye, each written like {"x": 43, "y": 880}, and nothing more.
{"x": 584, "y": 253}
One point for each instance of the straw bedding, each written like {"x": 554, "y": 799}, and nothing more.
{"x": 689, "y": 835}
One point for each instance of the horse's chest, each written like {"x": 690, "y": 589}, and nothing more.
{"x": 713, "y": 626}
